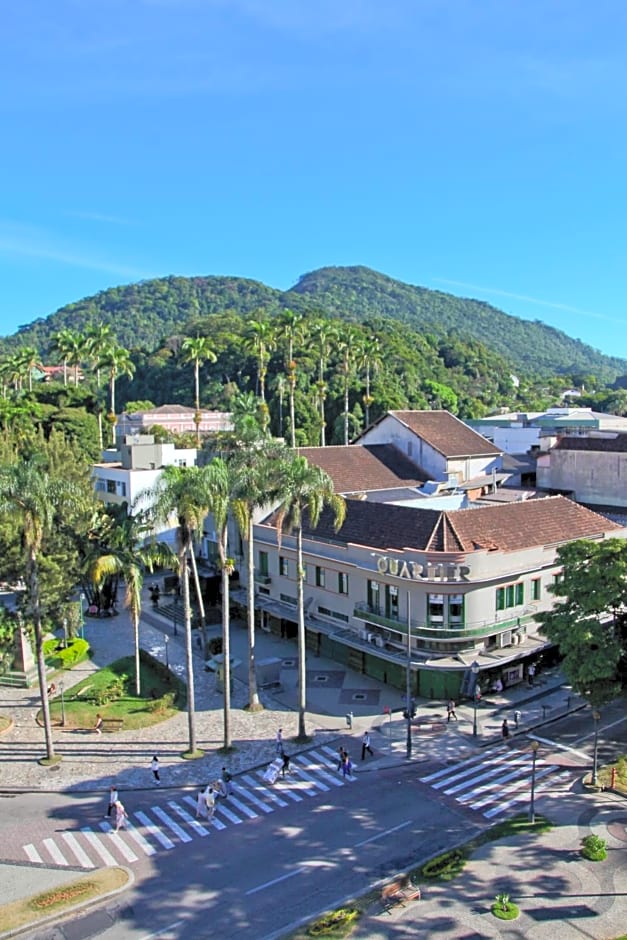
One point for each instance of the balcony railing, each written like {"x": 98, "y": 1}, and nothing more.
{"x": 370, "y": 614}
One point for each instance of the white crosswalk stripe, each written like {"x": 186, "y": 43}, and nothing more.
{"x": 166, "y": 825}
{"x": 494, "y": 780}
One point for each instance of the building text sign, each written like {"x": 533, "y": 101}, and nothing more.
{"x": 431, "y": 571}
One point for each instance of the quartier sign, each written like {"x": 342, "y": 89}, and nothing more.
{"x": 414, "y": 571}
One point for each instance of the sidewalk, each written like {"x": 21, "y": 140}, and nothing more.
{"x": 559, "y": 893}
{"x": 92, "y": 762}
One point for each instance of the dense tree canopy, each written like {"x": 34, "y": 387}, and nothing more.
{"x": 589, "y": 619}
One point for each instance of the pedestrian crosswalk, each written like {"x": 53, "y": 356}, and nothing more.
{"x": 494, "y": 780}
{"x": 165, "y": 825}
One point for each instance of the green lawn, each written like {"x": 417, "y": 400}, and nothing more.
{"x": 110, "y": 692}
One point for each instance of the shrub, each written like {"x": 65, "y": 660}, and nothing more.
{"x": 111, "y": 692}
{"x": 594, "y": 848}
{"x": 163, "y": 704}
{"x": 336, "y": 921}
{"x": 503, "y": 908}
{"x": 444, "y": 866}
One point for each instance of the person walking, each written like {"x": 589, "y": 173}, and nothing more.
{"x": 517, "y": 717}
{"x": 279, "y": 742}
{"x": 113, "y": 798}
{"x": 154, "y": 766}
{"x": 210, "y": 802}
{"x": 121, "y": 816}
{"x": 450, "y": 710}
{"x": 98, "y": 725}
{"x": 531, "y": 673}
{"x": 226, "y": 780}
{"x": 347, "y": 767}
{"x": 285, "y": 766}
{"x": 505, "y": 729}
{"x": 340, "y": 757}
{"x": 365, "y": 746}
{"x": 201, "y": 805}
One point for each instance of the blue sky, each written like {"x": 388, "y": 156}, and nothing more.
{"x": 471, "y": 146}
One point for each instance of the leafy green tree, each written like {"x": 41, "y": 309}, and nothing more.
{"x": 589, "y": 620}
{"x": 130, "y": 556}
{"x": 35, "y": 504}
{"x": 197, "y": 349}
{"x": 304, "y": 488}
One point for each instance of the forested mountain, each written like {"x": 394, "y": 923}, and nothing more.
{"x": 144, "y": 315}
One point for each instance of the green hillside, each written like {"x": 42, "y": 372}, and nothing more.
{"x": 146, "y": 314}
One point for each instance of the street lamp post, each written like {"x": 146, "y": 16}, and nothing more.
{"x": 475, "y": 671}
{"x": 167, "y": 661}
{"x": 408, "y": 688}
{"x": 596, "y": 716}
{"x": 532, "y": 805}
{"x": 65, "y": 633}
{"x": 61, "y": 690}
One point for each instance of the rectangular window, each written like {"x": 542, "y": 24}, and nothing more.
{"x": 283, "y": 566}
{"x": 123, "y": 490}
{"x": 456, "y": 609}
{"x": 435, "y": 608}
{"x": 391, "y": 601}
{"x": 263, "y": 564}
{"x": 374, "y": 599}
{"x": 509, "y": 595}
{"x": 500, "y": 598}
{"x": 335, "y": 614}
{"x": 319, "y": 576}
{"x": 111, "y": 486}
{"x": 520, "y": 593}
{"x": 288, "y": 599}
{"x": 342, "y": 582}
{"x": 536, "y": 589}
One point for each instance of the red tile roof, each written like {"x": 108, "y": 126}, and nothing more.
{"x": 506, "y": 528}
{"x": 446, "y": 433}
{"x": 358, "y": 469}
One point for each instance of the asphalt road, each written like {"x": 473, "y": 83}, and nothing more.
{"x": 256, "y": 880}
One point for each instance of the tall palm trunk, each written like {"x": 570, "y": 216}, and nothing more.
{"x": 226, "y": 637}
{"x": 135, "y": 614}
{"x": 253, "y": 693}
{"x": 33, "y": 578}
{"x": 300, "y": 601}
{"x": 187, "y": 618}
{"x": 200, "y": 601}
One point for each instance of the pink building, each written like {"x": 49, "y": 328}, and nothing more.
{"x": 174, "y": 418}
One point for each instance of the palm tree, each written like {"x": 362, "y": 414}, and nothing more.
{"x": 219, "y": 488}
{"x": 197, "y": 349}
{"x": 256, "y": 485}
{"x": 289, "y": 326}
{"x": 117, "y": 361}
{"x": 130, "y": 557}
{"x": 61, "y": 347}
{"x": 98, "y": 337}
{"x": 183, "y": 492}
{"x": 347, "y": 348}
{"x": 324, "y": 334}
{"x": 369, "y": 354}
{"x": 29, "y": 359}
{"x": 260, "y": 340}
{"x": 30, "y": 500}
{"x": 76, "y": 350}
{"x": 305, "y": 488}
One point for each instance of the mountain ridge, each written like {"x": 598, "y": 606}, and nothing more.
{"x": 144, "y": 314}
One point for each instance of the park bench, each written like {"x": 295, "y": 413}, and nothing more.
{"x": 399, "y": 893}
{"x": 112, "y": 724}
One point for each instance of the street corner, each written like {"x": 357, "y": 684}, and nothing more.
{"x": 64, "y": 893}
